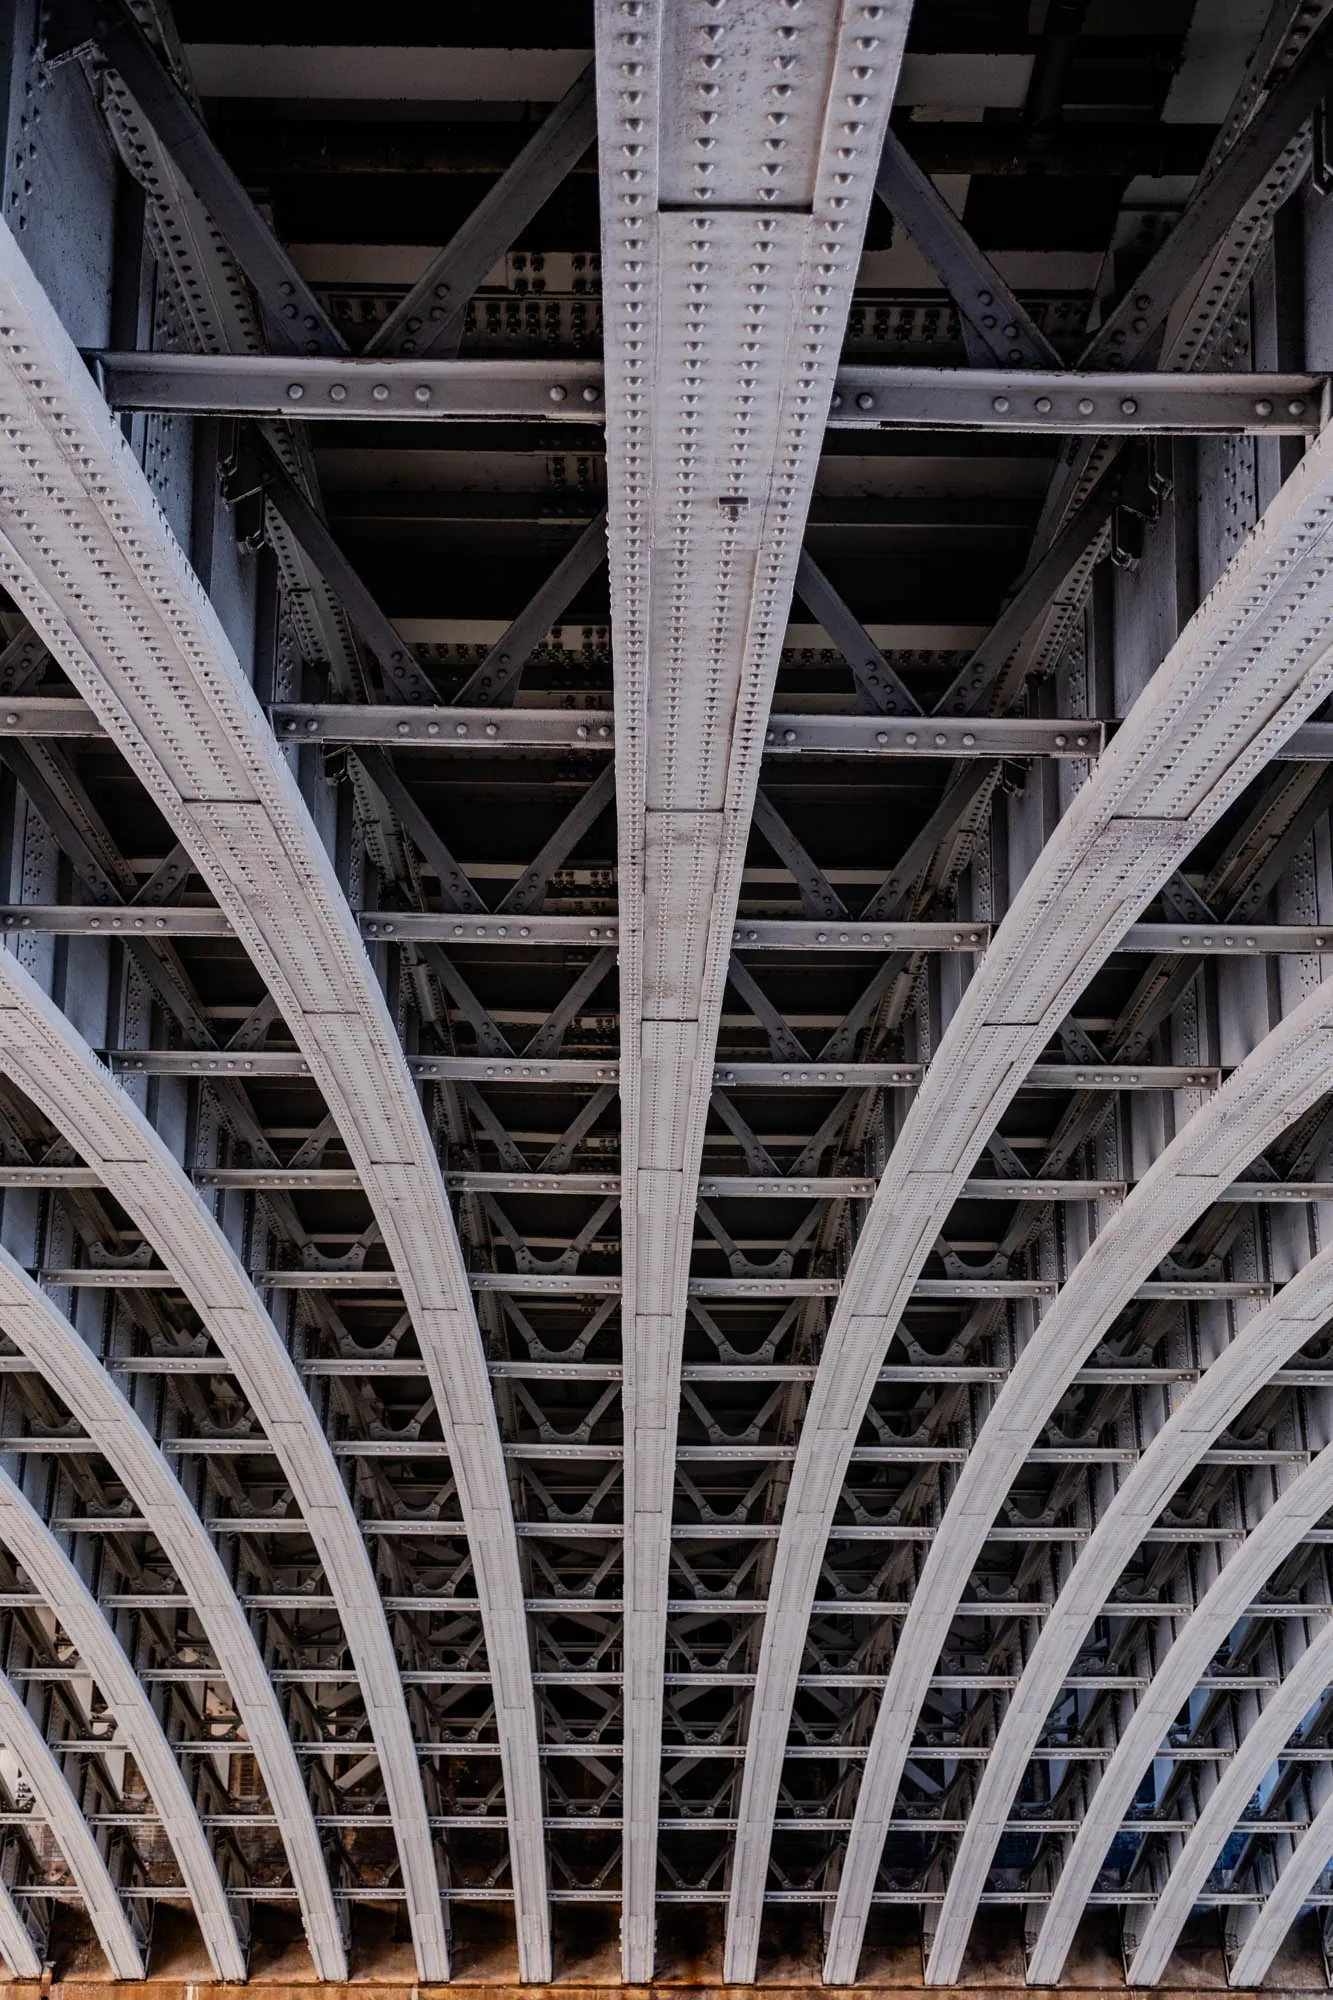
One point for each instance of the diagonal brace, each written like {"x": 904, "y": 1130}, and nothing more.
{"x": 984, "y": 301}
{"x": 297, "y": 322}
{"x": 430, "y": 319}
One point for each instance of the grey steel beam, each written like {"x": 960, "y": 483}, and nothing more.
{"x": 163, "y": 669}
{"x": 92, "y": 919}
{"x": 352, "y": 390}
{"x": 1217, "y": 199}
{"x": 872, "y": 396}
{"x": 729, "y": 252}
{"x": 295, "y": 318}
{"x": 997, "y": 322}
{"x": 1203, "y": 726}
{"x": 274, "y": 1062}
{"x": 867, "y": 396}
{"x": 52, "y": 1345}
{"x": 880, "y": 687}
{"x": 59, "y": 1583}
{"x": 1284, "y": 1075}
{"x": 430, "y": 318}
{"x": 72, "y": 1830}
{"x": 442, "y": 728}
{"x": 498, "y": 675}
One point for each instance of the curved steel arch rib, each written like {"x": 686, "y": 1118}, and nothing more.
{"x": 1290, "y": 1518}
{"x": 28, "y": 1538}
{"x": 1253, "y": 663}
{"x": 1263, "y": 1930}
{"x": 51, "y": 1062}
{"x": 1305, "y": 1501}
{"x": 87, "y": 553}
{"x": 35, "y": 1325}
{"x": 72, "y": 1834}
{"x": 1287, "y": 1073}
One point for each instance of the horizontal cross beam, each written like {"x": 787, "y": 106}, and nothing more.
{"x": 872, "y": 396}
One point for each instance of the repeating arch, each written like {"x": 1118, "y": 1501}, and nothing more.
{"x": 88, "y": 554}
{"x": 28, "y": 1538}
{"x": 63, "y": 1815}
{"x": 42, "y": 1053}
{"x": 1284, "y": 1075}
{"x": 1290, "y": 1518}
{"x": 1263, "y": 1930}
{"x": 1250, "y": 666}
{"x": 32, "y": 1321}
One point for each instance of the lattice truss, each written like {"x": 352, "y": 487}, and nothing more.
{"x": 664, "y": 1227}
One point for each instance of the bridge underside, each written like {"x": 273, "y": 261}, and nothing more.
{"x": 666, "y": 995}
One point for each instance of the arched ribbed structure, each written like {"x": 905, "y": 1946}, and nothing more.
{"x": 31, "y": 1543}
{"x": 87, "y": 553}
{"x": 44, "y": 1055}
{"x": 1253, "y": 663}
{"x": 1292, "y": 1515}
{"x": 1271, "y": 1089}
{"x": 63, "y": 1814}
{"x": 30, "y": 1318}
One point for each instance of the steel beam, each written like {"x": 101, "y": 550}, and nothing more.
{"x": 30, "y": 1541}
{"x": 162, "y": 661}
{"x": 1283, "y": 1076}
{"x": 350, "y": 389}
{"x": 867, "y": 396}
{"x": 728, "y": 259}
{"x": 998, "y": 324}
{"x": 1203, "y": 726}
{"x": 872, "y": 396}
{"x": 295, "y": 318}
{"x": 49, "y": 1342}
{"x": 430, "y": 318}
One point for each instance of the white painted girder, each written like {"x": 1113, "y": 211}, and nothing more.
{"x": 89, "y": 556}
{"x": 1299, "y": 1509}
{"x": 1252, "y": 664}
{"x": 1264, "y": 1343}
{"x": 40, "y": 1331}
{"x": 45, "y": 1056}
{"x": 738, "y": 149}
{"x": 1284, "y": 1075}
{"x": 31, "y": 1543}
{"x": 57, "y": 1805}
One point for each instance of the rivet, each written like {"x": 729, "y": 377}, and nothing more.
{"x": 380, "y": 392}
{"x": 1128, "y": 406}
{"x": 1000, "y": 404}
{"x": 337, "y": 392}
{"x": 295, "y": 391}
{"x": 1263, "y": 408}
{"x": 1042, "y": 406}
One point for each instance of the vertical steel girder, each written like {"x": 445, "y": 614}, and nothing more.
{"x": 1274, "y": 1334}
{"x": 32, "y": 1321}
{"x": 72, "y": 1834}
{"x": 1204, "y": 726}
{"x": 737, "y": 161}
{"x": 1281, "y": 1079}
{"x": 88, "y": 554}
{"x": 30, "y": 1541}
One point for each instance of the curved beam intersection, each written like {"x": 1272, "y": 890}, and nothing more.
{"x": 87, "y": 551}
{"x": 712, "y": 446}
{"x": 1202, "y": 729}
{"x": 33, "y": 1323}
